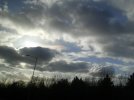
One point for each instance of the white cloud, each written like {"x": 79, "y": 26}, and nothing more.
{"x": 87, "y": 28}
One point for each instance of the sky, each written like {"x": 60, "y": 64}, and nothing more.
{"x": 69, "y": 37}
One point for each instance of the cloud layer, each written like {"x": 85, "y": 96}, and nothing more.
{"x": 81, "y": 31}
{"x": 14, "y": 57}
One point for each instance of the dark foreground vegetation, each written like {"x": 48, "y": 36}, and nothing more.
{"x": 36, "y": 89}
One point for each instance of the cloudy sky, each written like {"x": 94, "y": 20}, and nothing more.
{"x": 69, "y": 37}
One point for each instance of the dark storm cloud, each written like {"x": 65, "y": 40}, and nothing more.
{"x": 89, "y": 16}
{"x": 63, "y": 66}
{"x": 81, "y": 17}
{"x": 10, "y": 55}
{"x": 14, "y": 57}
{"x": 44, "y": 54}
{"x": 108, "y": 23}
{"x": 110, "y": 26}
{"x": 118, "y": 46}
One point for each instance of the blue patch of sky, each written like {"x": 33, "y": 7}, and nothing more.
{"x": 100, "y": 60}
{"x": 13, "y": 5}
{"x": 69, "y": 46}
{"x": 116, "y": 14}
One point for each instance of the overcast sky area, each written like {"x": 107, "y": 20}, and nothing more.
{"x": 69, "y": 37}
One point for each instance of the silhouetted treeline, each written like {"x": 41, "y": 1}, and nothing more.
{"x": 37, "y": 89}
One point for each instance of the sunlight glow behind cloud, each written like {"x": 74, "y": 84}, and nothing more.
{"x": 81, "y": 31}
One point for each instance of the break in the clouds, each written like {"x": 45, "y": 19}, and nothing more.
{"x": 80, "y": 32}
